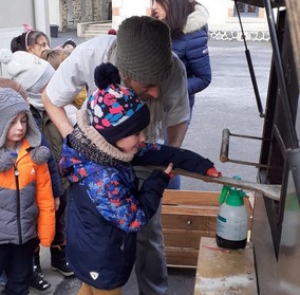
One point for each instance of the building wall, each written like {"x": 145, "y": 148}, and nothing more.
{"x": 223, "y": 25}
{"x": 68, "y": 13}
{"x": 16, "y": 13}
{"x": 55, "y": 12}
{"x": 12, "y": 18}
{"x": 125, "y": 8}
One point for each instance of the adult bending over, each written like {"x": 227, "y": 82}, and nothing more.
{"x": 142, "y": 52}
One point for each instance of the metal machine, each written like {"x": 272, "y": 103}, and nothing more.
{"x": 276, "y": 223}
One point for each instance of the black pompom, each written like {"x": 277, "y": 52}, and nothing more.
{"x": 106, "y": 74}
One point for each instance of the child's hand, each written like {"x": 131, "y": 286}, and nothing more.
{"x": 169, "y": 170}
{"x": 212, "y": 171}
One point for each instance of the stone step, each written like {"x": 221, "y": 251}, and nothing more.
{"x": 106, "y": 25}
{"x": 89, "y": 30}
{"x": 98, "y": 29}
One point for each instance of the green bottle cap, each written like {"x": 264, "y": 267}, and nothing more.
{"x": 235, "y": 197}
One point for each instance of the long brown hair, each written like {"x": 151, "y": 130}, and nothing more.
{"x": 177, "y": 12}
{"x": 23, "y": 41}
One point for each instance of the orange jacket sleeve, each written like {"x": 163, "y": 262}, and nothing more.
{"x": 45, "y": 203}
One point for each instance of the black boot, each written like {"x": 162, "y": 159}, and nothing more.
{"x": 37, "y": 265}
{"x": 59, "y": 261}
{"x": 40, "y": 285}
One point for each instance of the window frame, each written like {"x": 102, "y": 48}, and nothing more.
{"x": 246, "y": 13}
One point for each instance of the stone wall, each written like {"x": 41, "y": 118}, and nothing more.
{"x": 63, "y": 5}
{"x": 76, "y": 11}
{"x": 88, "y": 7}
{"x": 83, "y": 11}
{"x": 97, "y": 11}
{"x": 261, "y": 36}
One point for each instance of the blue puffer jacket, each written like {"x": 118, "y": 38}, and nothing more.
{"x": 104, "y": 212}
{"x": 106, "y": 208}
{"x": 192, "y": 49}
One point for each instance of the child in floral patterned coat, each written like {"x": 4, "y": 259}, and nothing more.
{"x": 106, "y": 208}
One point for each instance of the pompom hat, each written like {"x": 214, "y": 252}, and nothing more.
{"x": 115, "y": 111}
{"x": 32, "y": 72}
{"x": 12, "y": 104}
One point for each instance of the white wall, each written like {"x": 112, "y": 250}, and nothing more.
{"x": 14, "y": 13}
{"x": 218, "y": 11}
{"x": 7, "y": 34}
{"x": 128, "y": 8}
{"x": 41, "y": 9}
{"x": 54, "y": 13}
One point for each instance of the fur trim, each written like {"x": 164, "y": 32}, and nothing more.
{"x": 7, "y": 161}
{"x": 40, "y": 155}
{"x": 98, "y": 140}
{"x": 196, "y": 20}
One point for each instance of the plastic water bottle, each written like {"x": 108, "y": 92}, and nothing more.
{"x": 232, "y": 220}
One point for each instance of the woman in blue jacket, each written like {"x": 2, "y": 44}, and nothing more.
{"x": 187, "y": 20}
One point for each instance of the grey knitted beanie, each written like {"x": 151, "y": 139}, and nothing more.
{"x": 11, "y": 104}
{"x": 144, "y": 50}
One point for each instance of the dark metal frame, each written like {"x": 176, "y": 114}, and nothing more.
{"x": 279, "y": 122}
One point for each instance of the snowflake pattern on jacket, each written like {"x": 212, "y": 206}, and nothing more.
{"x": 112, "y": 189}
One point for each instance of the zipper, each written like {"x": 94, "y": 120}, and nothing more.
{"x": 18, "y": 204}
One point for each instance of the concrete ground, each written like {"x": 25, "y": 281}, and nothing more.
{"x": 228, "y": 102}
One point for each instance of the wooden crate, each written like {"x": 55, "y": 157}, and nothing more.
{"x": 186, "y": 217}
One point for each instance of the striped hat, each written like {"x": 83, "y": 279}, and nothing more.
{"x": 115, "y": 111}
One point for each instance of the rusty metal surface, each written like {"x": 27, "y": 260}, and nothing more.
{"x": 293, "y": 12}
{"x": 265, "y": 258}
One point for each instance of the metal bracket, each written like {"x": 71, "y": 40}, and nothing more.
{"x": 225, "y": 149}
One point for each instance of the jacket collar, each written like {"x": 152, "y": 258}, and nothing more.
{"x": 196, "y": 20}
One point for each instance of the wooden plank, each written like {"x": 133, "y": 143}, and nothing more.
{"x": 186, "y": 197}
{"x": 189, "y": 223}
{"x": 175, "y": 231}
{"x": 189, "y": 210}
{"x": 221, "y": 271}
{"x": 187, "y": 216}
{"x": 182, "y": 256}
{"x": 179, "y": 240}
